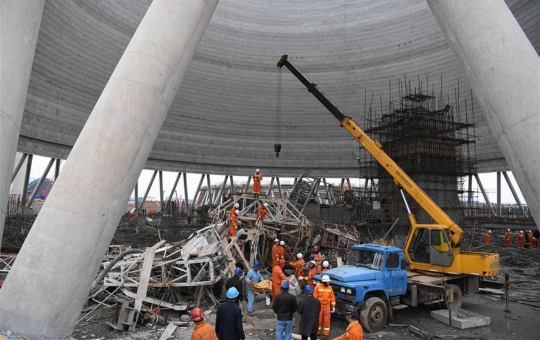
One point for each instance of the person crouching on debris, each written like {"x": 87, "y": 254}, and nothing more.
{"x": 261, "y": 214}
{"x": 233, "y": 226}
{"x": 203, "y": 330}
{"x": 277, "y": 277}
{"x": 253, "y": 276}
{"x": 487, "y": 238}
{"x": 284, "y": 306}
{"x": 236, "y": 282}
{"x": 354, "y": 330}
{"x": 309, "y": 308}
{"x": 229, "y": 318}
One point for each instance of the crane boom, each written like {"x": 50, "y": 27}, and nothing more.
{"x": 434, "y": 247}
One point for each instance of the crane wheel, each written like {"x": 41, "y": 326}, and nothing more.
{"x": 454, "y": 297}
{"x": 373, "y": 314}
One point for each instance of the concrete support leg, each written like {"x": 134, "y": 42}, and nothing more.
{"x": 504, "y": 71}
{"x": 46, "y": 289}
{"x": 20, "y": 22}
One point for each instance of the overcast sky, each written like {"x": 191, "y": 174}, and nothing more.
{"x": 489, "y": 180}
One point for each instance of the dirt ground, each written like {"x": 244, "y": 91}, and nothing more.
{"x": 522, "y": 322}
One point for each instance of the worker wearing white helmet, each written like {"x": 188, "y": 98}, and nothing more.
{"x": 278, "y": 252}
{"x": 325, "y": 266}
{"x": 507, "y": 241}
{"x": 487, "y": 238}
{"x": 298, "y": 265}
{"x": 234, "y": 222}
{"x": 233, "y": 210}
{"x": 324, "y": 292}
{"x": 521, "y": 240}
{"x": 261, "y": 215}
{"x": 257, "y": 178}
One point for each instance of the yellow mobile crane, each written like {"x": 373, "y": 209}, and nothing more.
{"x": 429, "y": 247}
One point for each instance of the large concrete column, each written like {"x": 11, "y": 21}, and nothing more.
{"x": 46, "y": 289}
{"x": 19, "y": 28}
{"x": 504, "y": 71}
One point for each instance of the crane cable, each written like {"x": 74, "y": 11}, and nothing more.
{"x": 277, "y": 145}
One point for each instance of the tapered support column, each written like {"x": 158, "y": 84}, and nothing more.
{"x": 504, "y": 71}
{"x": 19, "y": 28}
{"x": 46, "y": 289}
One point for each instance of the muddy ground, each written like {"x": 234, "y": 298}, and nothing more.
{"x": 522, "y": 322}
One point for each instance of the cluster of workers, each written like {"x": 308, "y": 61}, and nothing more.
{"x": 315, "y": 310}
{"x": 525, "y": 238}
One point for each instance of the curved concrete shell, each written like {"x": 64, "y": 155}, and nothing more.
{"x": 223, "y": 120}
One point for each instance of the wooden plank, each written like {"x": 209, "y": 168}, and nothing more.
{"x": 241, "y": 254}
{"x": 169, "y": 331}
{"x": 145, "y": 274}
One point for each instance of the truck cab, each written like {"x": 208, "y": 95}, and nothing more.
{"x": 372, "y": 280}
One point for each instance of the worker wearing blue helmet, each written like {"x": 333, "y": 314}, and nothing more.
{"x": 253, "y": 277}
{"x": 229, "y": 318}
{"x": 236, "y": 282}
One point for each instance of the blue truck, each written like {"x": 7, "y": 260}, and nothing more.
{"x": 375, "y": 279}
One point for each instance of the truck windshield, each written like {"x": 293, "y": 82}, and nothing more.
{"x": 365, "y": 258}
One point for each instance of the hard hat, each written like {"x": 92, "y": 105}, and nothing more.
{"x": 281, "y": 262}
{"x": 236, "y": 205}
{"x": 521, "y": 231}
{"x": 276, "y": 240}
{"x": 238, "y": 271}
{"x": 313, "y": 262}
{"x": 265, "y": 204}
{"x": 308, "y": 290}
{"x": 507, "y": 229}
{"x": 316, "y": 247}
{"x": 349, "y": 310}
{"x": 489, "y": 231}
{"x": 237, "y": 212}
{"x": 256, "y": 264}
{"x": 325, "y": 264}
{"x": 299, "y": 255}
{"x": 311, "y": 256}
{"x": 325, "y": 278}
{"x": 257, "y": 170}
{"x": 281, "y": 243}
{"x": 285, "y": 284}
{"x": 196, "y": 314}
{"x": 232, "y": 293}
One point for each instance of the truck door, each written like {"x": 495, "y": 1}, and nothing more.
{"x": 396, "y": 277}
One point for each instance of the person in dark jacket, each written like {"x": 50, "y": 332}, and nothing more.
{"x": 229, "y": 318}
{"x": 309, "y": 308}
{"x": 284, "y": 306}
{"x": 236, "y": 282}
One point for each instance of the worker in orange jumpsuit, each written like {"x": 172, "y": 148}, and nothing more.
{"x": 234, "y": 208}
{"x": 311, "y": 273}
{"x": 530, "y": 239}
{"x": 324, "y": 292}
{"x": 298, "y": 265}
{"x": 203, "y": 330}
{"x": 507, "y": 241}
{"x": 354, "y": 330}
{"x": 257, "y": 178}
{"x": 275, "y": 253}
{"x": 233, "y": 225}
{"x": 317, "y": 256}
{"x": 277, "y": 277}
{"x": 487, "y": 238}
{"x": 261, "y": 214}
{"x": 521, "y": 240}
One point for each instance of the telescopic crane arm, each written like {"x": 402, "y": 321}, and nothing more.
{"x": 402, "y": 180}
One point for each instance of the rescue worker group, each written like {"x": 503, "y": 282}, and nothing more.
{"x": 314, "y": 307}
{"x": 526, "y": 239}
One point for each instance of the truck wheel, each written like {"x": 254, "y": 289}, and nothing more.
{"x": 454, "y": 294}
{"x": 373, "y": 315}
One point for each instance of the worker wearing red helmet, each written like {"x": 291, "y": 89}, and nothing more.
{"x": 277, "y": 277}
{"x": 203, "y": 330}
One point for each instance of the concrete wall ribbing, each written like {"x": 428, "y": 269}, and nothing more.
{"x": 223, "y": 120}
{"x": 20, "y": 22}
{"x": 48, "y": 284}
{"x": 504, "y": 71}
